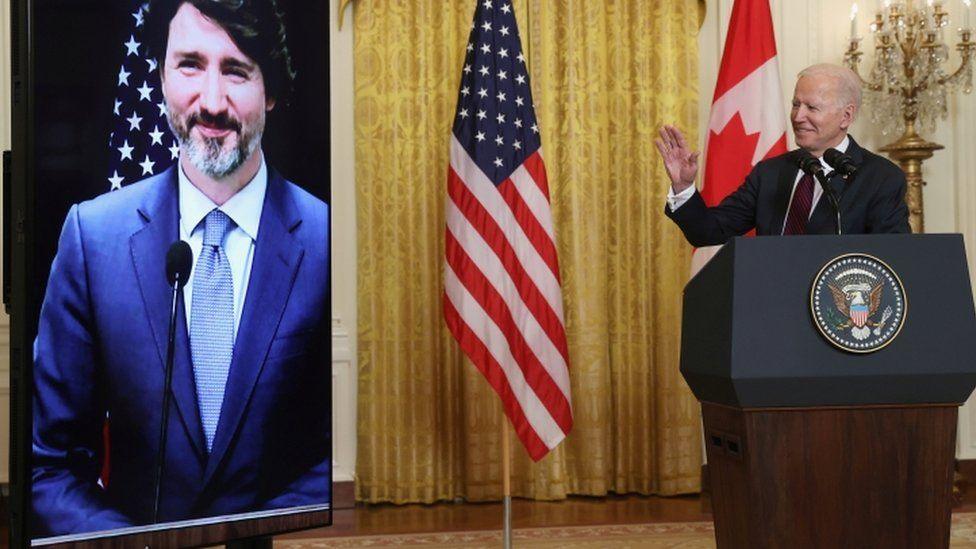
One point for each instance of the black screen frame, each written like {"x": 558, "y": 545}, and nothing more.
{"x": 23, "y": 304}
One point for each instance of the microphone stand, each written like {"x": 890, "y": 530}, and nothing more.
{"x": 167, "y": 386}
{"x": 824, "y": 180}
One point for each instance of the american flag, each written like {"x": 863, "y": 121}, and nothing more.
{"x": 502, "y": 293}
{"x": 141, "y": 143}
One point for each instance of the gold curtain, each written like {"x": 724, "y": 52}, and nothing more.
{"x": 605, "y": 76}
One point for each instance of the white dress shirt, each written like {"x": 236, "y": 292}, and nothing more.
{"x": 244, "y": 208}
{"x": 675, "y": 201}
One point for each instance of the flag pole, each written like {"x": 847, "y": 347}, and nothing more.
{"x": 506, "y": 485}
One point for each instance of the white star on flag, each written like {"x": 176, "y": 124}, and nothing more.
{"x": 147, "y": 166}
{"x": 115, "y": 180}
{"x": 144, "y": 92}
{"x": 132, "y": 46}
{"x": 134, "y": 121}
{"x": 126, "y": 150}
{"x": 157, "y": 136}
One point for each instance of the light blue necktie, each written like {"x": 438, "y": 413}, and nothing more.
{"x": 212, "y": 321}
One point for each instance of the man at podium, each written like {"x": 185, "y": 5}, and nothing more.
{"x": 777, "y": 197}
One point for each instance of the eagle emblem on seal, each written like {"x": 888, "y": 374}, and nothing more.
{"x": 858, "y": 303}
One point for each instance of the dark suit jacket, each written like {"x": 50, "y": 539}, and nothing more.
{"x": 101, "y": 349}
{"x": 872, "y": 202}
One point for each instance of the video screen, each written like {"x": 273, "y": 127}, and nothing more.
{"x": 182, "y": 364}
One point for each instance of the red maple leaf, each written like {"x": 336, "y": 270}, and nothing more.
{"x": 729, "y": 160}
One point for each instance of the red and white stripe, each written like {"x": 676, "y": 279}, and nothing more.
{"x": 502, "y": 294}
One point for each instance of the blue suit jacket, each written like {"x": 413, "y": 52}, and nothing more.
{"x": 101, "y": 348}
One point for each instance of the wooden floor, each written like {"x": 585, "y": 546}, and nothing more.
{"x": 575, "y": 511}
{"x": 449, "y": 517}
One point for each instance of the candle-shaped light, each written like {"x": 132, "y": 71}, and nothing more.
{"x": 854, "y": 21}
{"x": 967, "y": 4}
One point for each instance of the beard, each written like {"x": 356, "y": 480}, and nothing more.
{"x": 216, "y": 157}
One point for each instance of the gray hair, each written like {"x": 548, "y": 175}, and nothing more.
{"x": 848, "y": 83}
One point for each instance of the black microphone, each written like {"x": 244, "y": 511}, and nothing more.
{"x": 179, "y": 259}
{"x": 809, "y": 164}
{"x": 812, "y": 166}
{"x": 841, "y": 162}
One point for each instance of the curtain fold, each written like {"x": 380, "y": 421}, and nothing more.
{"x": 605, "y": 76}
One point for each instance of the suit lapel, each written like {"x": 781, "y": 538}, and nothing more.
{"x": 784, "y": 188}
{"x": 160, "y": 211}
{"x": 277, "y": 256}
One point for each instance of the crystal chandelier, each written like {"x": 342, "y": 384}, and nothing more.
{"x": 908, "y": 86}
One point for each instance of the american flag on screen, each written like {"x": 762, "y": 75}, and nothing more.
{"x": 141, "y": 143}
{"x": 502, "y": 293}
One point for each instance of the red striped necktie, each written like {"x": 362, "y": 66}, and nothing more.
{"x": 796, "y": 220}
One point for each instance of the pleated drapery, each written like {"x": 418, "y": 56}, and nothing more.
{"x": 605, "y": 76}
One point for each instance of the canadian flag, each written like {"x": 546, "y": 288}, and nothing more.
{"x": 748, "y": 121}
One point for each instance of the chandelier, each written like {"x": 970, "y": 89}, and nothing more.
{"x": 908, "y": 85}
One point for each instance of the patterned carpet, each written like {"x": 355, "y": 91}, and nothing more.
{"x": 673, "y": 535}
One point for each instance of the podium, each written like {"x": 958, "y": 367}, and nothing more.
{"x": 814, "y": 439}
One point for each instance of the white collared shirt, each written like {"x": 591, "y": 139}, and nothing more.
{"x": 675, "y": 201}
{"x": 244, "y": 208}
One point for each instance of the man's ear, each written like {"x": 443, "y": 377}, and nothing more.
{"x": 848, "y": 117}
{"x": 269, "y": 104}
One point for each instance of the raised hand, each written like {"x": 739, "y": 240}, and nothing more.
{"x": 679, "y": 160}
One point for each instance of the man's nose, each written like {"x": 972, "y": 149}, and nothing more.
{"x": 213, "y": 98}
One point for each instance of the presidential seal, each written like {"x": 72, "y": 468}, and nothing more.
{"x": 858, "y": 303}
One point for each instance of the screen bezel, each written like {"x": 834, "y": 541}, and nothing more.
{"x": 19, "y": 249}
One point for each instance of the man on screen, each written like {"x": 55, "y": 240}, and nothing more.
{"x": 776, "y": 198}
{"x": 249, "y": 419}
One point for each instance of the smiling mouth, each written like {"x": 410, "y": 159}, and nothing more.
{"x": 213, "y": 132}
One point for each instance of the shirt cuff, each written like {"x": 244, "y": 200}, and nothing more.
{"x": 675, "y": 201}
